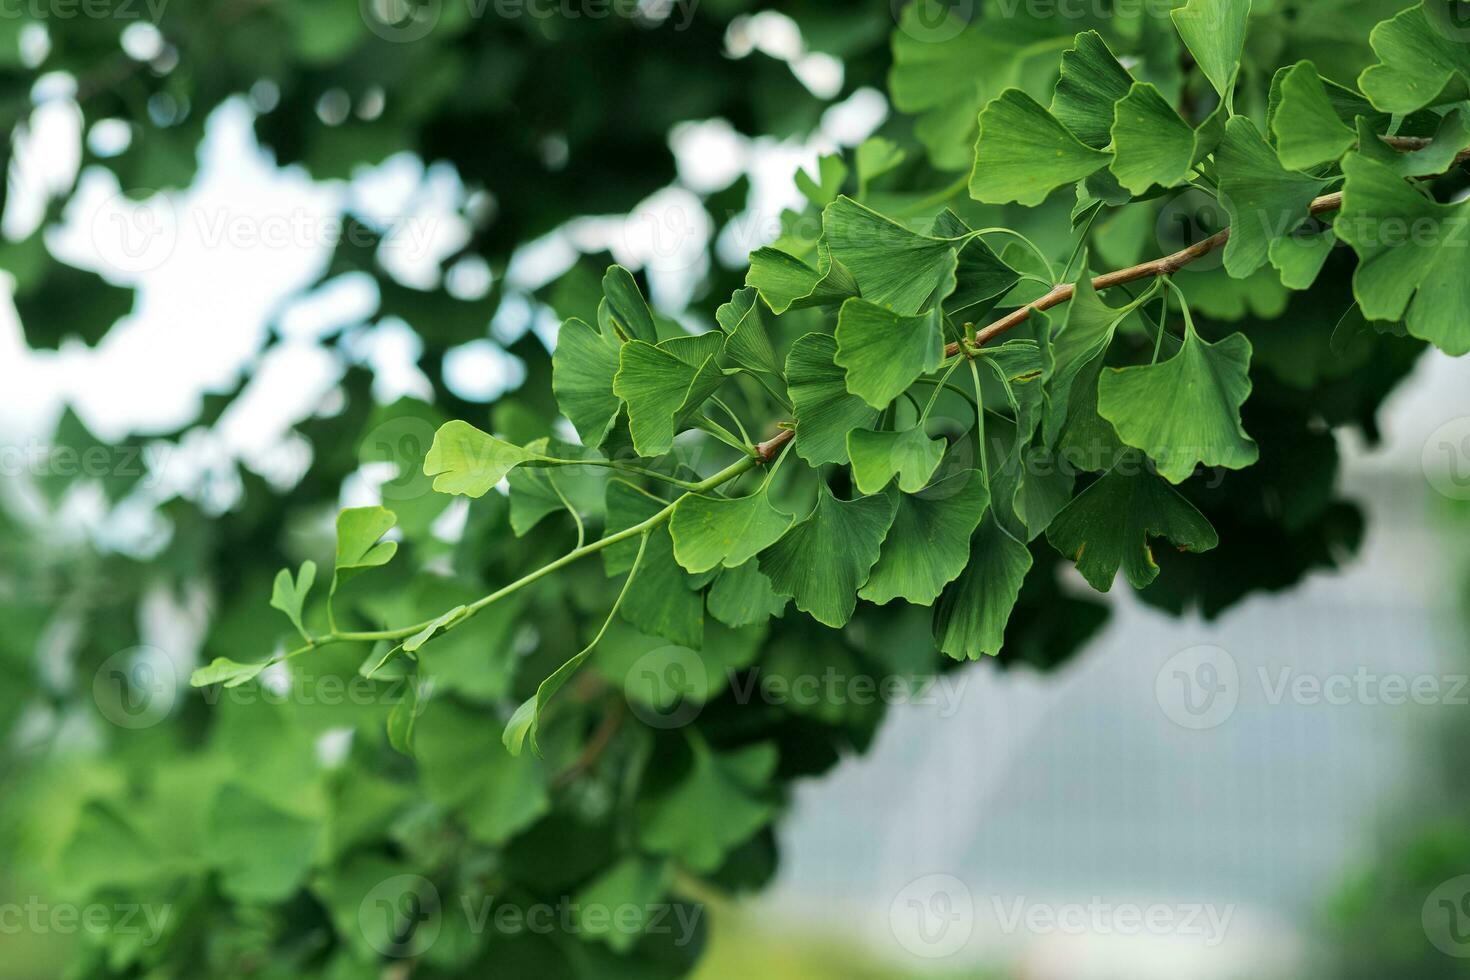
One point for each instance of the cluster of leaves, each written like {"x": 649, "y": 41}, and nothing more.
{"x": 910, "y": 481}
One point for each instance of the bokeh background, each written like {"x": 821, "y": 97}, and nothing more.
{"x": 1210, "y": 772}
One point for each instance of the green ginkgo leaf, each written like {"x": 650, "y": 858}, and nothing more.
{"x": 664, "y": 385}
{"x": 928, "y": 543}
{"x": 464, "y": 460}
{"x": 823, "y": 190}
{"x": 884, "y": 352}
{"x": 1413, "y": 254}
{"x": 636, "y": 883}
{"x": 743, "y": 596}
{"x": 1091, "y": 82}
{"x": 1184, "y": 411}
{"x": 436, "y": 625}
{"x": 358, "y": 546}
{"x": 1214, "y": 31}
{"x": 1424, "y": 60}
{"x": 1108, "y": 526}
{"x": 713, "y": 809}
{"x": 878, "y": 456}
{"x": 825, "y": 410}
{"x": 223, "y": 670}
{"x": 1152, "y": 144}
{"x": 582, "y": 370}
{"x": 970, "y": 616}
{"x": 893, "y": 266}
{"x": 980, "y": 276}
{"x": 1081, "y": 333}
{"x": 1265, "y": 201}
{"x": 729, "y": 531}
{"x": 1306, "y": 126}
{"x": 1023, "y": 153}
{"x": 663, "y": 599}
{"x": 289, "y": 596}
{"x": 1299, "y": 257}
{"x": 826, "y": 557}
{"x": 1452, "y": 136}
{"x": 876, "y": 156}
{"x": 746, "y": 342}
{"x": 627, "y": 307}
{"x": 787, "y": 283}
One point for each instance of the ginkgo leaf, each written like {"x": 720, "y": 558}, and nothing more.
{"x": 1109, "y": 525}
{"x": 662, "y": 600}
{"x": 714, "y": 808}
{"x": 435, "y": 625}
{"x": 884, "y": 352}
{"x": 1085, "y": 330}
{"x": 746, "y": 341}
{"x": 627, "y": 307}
{"x": 980, "y": 275}
{"x": 1091, "y": 82}
{"x": 729, "y": 531}
{"x": 826, "y": 557}
{"x": 878, "y": 456}
{"x": 970, "y": 616}
{"x": 822, "y": 191}
{"x": 464, "y": 460}
{"x": 1452, "y": 136}
{"x": 635, "y": 883}
{"x": 893, "y": 266}
{"x": 1186, "y": 410}
{"x": 1023, "y": 153}
{"x": 1305, "y": 124}
{"x": 1413, "y": 254}
{"x": 876, "y": 156}
{"x": 223, "y": 670}
{"x": 261, "y": 853}
{"x": 1266, "y": 201}
{"x": 787, "y": 283}
{"x": 928, "y": 543}
{"x": 582, "y": 370}
{"x": 1299, "y": 257}
{"x": 743, "y": 596}
{"x": 825, "y": 411}
{"x": 465, "y": 771}
{"x": 1214, "y": 31}
{"x": 1152, "y": 144}
{"x": 1424, "y": 60}
{"x": 663, "y": 385}
{"x": 289, "y": 596}
{"x": 358, "y": 546}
